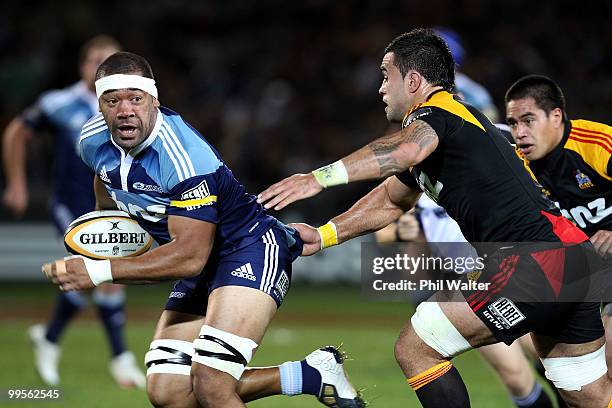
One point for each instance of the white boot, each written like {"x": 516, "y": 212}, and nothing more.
{"x": 126, "y": 372}
{"x": 336, "y": 389}
{"x": 46, "y": 355}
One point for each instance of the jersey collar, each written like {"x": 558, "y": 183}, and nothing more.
{"x": 149, "y": 140}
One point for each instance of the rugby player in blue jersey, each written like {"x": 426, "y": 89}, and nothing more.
{"x": 62, "y": 113}
{"x": 232, "y": 260}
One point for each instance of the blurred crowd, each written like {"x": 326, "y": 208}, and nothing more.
{"x": 282, "y": 87}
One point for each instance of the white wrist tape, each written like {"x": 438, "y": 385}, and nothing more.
{"x": 123, "y": 81}
{"x": 99, "y": 271}
{"x": 331, "y": 175}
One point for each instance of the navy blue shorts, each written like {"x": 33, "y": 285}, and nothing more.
{"x": 264, "y": 265}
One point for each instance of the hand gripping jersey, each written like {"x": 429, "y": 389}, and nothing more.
{"x": 63, "y": 112}
{"x": 576, "y": 174}
{"x": 476, "y": 176}
{"x": 174, "y": 172}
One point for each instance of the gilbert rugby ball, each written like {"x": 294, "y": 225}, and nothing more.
{"x": 106, "y": 235}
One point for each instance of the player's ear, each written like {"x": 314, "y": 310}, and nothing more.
{"x": 556, "y": 116}
{"x": 155, "y": 102}
{"x": 412, "y": 81}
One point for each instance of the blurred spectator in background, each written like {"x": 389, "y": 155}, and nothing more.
{"x": 63, "y": 112}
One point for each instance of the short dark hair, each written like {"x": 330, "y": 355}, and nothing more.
{"x": 544, "y": 91}
{"x": 124, "y": 63}
{"x": 425, "y": 52}
{"x": 99, "y": 41}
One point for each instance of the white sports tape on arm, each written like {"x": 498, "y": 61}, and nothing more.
{"x": 123, "y": 81}
{"x": 433, "y": 327}
{"x": 572, "y": 373}
{"x": 232, "y": 360}
{"x": 331, "y": 175}
{"x": 99, "y": 271}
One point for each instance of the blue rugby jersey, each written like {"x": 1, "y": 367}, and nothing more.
{"x": 63, "y": 112}
{"x": 174, "y": 172}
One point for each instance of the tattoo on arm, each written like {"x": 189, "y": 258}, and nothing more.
{"x": 387, "y": 150}
{"x": 422, "y": 134}
{"x": 383, "y": 149}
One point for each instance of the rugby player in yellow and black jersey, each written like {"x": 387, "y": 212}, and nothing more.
{"x": 571, "y": 159}
{"x": 462, "y": 161}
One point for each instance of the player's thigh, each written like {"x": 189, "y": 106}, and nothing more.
{"x": 241, "y": 311}
{"x": 463, "y": 318}
{"x": 527, "y": 345}
{"x": 178, "y": 326}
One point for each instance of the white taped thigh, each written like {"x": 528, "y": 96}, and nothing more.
{"x": 223, "y": 351}
{"x": 433, "y": 327}
{"x": 169, "y": 356}
{"x": 572, "y": 373}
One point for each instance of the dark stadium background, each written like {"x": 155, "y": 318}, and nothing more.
{"x": 278, "y": 87}
{"x": 282, "y": 87}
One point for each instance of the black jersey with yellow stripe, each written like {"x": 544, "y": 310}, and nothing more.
{"x": 576, "y": 174}
{"x": 476, "y": 176}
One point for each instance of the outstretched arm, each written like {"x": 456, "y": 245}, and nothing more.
{"x": 387, "y": 155}
{"x": 377, "y": 209}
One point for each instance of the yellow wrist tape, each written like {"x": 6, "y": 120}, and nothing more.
{"x": 329, "y": 236}
{"x": 331, "y": 175}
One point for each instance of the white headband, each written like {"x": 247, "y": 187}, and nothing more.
{"x": 122, "y": 81}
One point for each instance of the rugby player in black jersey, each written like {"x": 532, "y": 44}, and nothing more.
{"x": 454, "y": 154}
{"x": 571, "y": 159}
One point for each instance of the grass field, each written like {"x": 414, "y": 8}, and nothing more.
{"x": 311, "y": 317}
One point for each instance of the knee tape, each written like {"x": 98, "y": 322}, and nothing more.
{"x": 223, "y": 351}
{"x": 434, "y": 328}
{"x": 572, "y": 373}
{"x": 168, "y": 356}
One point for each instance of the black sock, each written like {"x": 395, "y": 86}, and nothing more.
{"x": 68, "y": 304}
{"x": 440, "y": 386}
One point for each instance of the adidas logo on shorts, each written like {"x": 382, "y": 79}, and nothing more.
{"x": 245, "y": 272}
